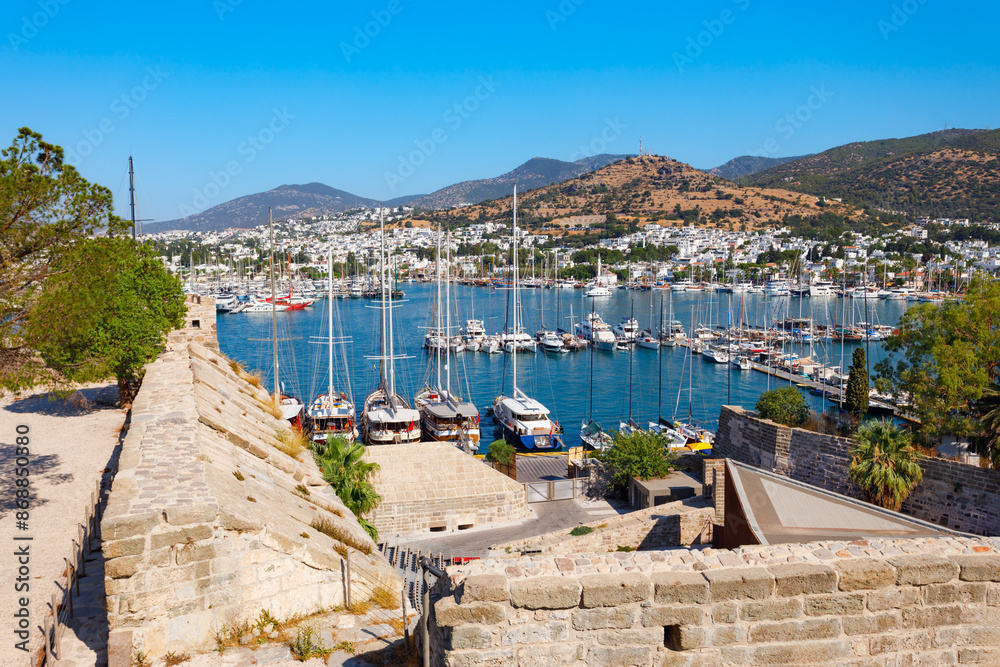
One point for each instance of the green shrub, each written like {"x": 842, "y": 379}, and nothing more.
{"x": 785, "y": 406}
{"x": 502, "y": 453}
{"x": 581, "y": 530}
{"x": 640, "y": 454}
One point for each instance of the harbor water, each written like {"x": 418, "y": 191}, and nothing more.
{"x": 668, "y": 383}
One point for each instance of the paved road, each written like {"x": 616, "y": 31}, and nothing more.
{"x": 549, "y": 517}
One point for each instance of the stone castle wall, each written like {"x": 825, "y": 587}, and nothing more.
{"x": 434, "y": 485}
{"x": 952, "y": 494}
{"x": 905, "y": 602}
{"x": 199, "y": 324}
{"x": 681, "y": 523}
{"x": 209, "y": 522}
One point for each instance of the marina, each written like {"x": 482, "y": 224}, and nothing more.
{"x": 693, "y": 386}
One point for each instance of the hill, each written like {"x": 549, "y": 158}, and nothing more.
{"x": 286, "y": 201}
{"x": 748, "y": 164}
{"x": 535, "y": 173}
{"x": 643, "y": 189}
{"x": 951, "y": 173}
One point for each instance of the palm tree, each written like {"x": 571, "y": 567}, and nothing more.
{"x": 349, "y": 475}
{"x": 988, "y": 407}
{"x": 884, "y": 464}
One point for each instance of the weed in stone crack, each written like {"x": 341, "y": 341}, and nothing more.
{"x": 346, "y": 647}
{"x": 337, "y": 533}
{"x": 292, "y": 443}
{"x": 302, "y": 490}
{"x": 581, "y": 530}
{"x": 307, "y": 644}
{"x": 238, "y": 475}
{"x": 173, "y": 658}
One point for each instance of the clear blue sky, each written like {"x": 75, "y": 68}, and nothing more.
{"x": 557, "y": 74}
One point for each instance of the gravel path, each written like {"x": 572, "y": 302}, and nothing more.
{"x": 73, "y": 443}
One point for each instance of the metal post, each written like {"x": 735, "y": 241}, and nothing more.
{"x": 406, "y": 628}
{"x": 424, "y": 635}
{"x": 348, "y": 582}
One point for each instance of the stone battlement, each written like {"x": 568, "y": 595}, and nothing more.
{"x": 926, "y": 601}
{"x": 209, "y": 521}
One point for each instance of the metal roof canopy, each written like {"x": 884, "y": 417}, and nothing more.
{"x": 780, "y": 510}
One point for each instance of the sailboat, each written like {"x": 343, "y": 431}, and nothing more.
{"x": 332, "y": 413}
{"x": 522, "y": 420}
{"x": 387, "y": 418}
{"x": 630, "y": 426}
{"x": 591, "y": 432}
{"x": 445, "y": 416}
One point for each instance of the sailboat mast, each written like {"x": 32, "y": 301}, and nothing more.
{"x": 381, "y": 268}
{"x": 630, "y": 355}
{"x": 131, "y": 193}
{"x": 659, "y": 359}
{"x": 447, "y": 319}
{"x": 274, "y": 307}
{"x": 331, "y": 302}
{"x": 514, "y": 254}
{"x": 440, "y": 328}
{"x": 392, "y": 355}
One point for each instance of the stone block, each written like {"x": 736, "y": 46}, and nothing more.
{"x": 125, "y": 566}
{"x": 793, "y": 579}
{"x": 672, "y": 615}
{"x": 795, "y": 630}
{"x": 120, "y": 648}
{"x": 129, "y": 525}
{"x": 619, "y": 656}
{"x": 800, "y": 652}
{"x": 923, "y": 569}
{"x": 962, "y": 593}
{"x": 546, "y": 655}
{"x": 835, "y": 604}
{"x": 471, "y": 636}
{"x": 449, "y": 614}
{"x": 535, "y": 634}
{"x": 978, "y": 567}
{"x": 679, "y": 588}
{"x": 132, "y": 546}
{"x": 181, "y": 536}
{"x": 770, "y": 610}
{"x": 725, "y": 612}
{"x": 932, "y": 617}
{"x": 604, "y": 617}
{"x": 988, "y": 636}
{"x": 893, "y": 598}
{"x": 989, "y": 655}
{"x": 185, "y": 514}
{"x": 505, "y": 657}
{"x": 545, "y": 593}
{"x": 753, "y": 583}
{"x": 612, "y": 590}
{"x": 485, "y": 588}
{"x": 875, "y": 623}
{"x": 861, "y": 574}
{"x": 644, "y": 636}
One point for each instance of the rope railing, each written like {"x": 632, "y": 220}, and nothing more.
{"x": 54, "y": 623}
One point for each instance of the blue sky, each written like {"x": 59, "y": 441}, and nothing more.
{"x": 218, "y": 99}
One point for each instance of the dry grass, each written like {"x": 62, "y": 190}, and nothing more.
{"x": 383, "y": 597}
{"x": 359, "y": 608}
{"x": 339, "y": 534}
{"x": 292, "y": 442}
{"x": 172, "y": 658}
{"x": 237, "y": 367}
{"x": 272, "y": 406}
{"x": 255, "y": 379}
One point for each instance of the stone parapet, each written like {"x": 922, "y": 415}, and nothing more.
{"x": 926, "y": 601}
{"x": 435, "y": 486}
{"x": 680, "y": 523}
{"x": 952, "y": 494}
{"x": 209, "y": 522}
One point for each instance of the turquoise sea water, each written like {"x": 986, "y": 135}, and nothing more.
{"x": 562, "y": 382}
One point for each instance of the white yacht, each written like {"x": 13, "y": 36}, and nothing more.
{"x": 596, "y": 331}
{"x": 552, "y": 342}
{"x": 682, "y": 286}
{"x": 627, "y": 329}
{"x": 598, "y": 290}
{"x": 741, "y": 287}
{"x": 777, "y": 288}
{"x": 821, "y": 288}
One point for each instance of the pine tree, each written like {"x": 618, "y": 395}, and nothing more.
{"x": 856, "y": 397}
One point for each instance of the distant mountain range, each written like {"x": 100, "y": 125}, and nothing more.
{"x": 748, "y": 164}
{"x": 951, "y": 173}
{"x": 311, "y": 199}
{"x": 315, "y": 199}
